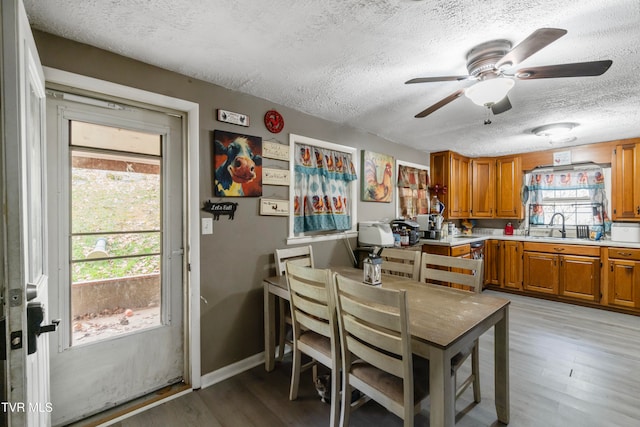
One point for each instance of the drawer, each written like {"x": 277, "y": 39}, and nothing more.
{"x": 436, "y": 250}
{"x": 562, "y": 249}
{"x": 624, "y": 253}
{"x": 461, "y": 250}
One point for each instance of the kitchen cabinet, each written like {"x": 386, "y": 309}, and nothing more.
{"x": 478, "y": 188}
{"x": 580, "y": 277}
{"x": 540, "y": 272}
{"x": 568, "y": 271}
{"x": 512, "y": 265}
{"x": 508, "y": 203}
{"x": 453, "y": 171}
{"x": 483, "y": 185}
{"x": 492, "y": 262}
{"x": 503, "y": 264}
{"x": 623, "y": 277}
{"x": 625, "y": 182}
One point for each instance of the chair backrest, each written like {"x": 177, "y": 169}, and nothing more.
{"x": 374, "y": 327}
{"x": 401, "y": 262}
{"x": 301, "y": 255}
{"x": 453, "y": 270}
{"x": 312, "y": 306}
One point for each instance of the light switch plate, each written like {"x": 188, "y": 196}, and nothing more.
{"x": 207, "y": 225}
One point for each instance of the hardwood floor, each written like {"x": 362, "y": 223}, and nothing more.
{"x": 570, "y": 366}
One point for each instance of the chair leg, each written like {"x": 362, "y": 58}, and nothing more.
{"x": 335, "y": 392}
{"x": 295, "y": 374}
{"x": 475, "y": 371}
{"x": 345, "y": 406}
{"x": 281, "y": 335}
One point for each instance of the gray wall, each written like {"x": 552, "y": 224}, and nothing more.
{"x": 239, "y": 253}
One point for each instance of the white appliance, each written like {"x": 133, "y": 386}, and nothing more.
{"x": 374, "y": 233}
{"x": 625, "y": 232}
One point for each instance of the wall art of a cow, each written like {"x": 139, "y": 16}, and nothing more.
{"x": 237, "y": 165}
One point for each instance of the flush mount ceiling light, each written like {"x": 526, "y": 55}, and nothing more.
{"x": 490, "y": 91}
{"x": 561, "y": 139}
{"x": 553, "y": 129}
{"x": 557, "y": 132}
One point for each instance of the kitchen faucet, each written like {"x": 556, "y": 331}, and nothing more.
{"x": 563, "y": 232}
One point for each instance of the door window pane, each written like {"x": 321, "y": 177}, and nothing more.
{"x": 116, "y": 235}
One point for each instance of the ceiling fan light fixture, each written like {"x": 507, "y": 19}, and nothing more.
{"x": 553, "y": 129}
{"x": 489, "y": 92}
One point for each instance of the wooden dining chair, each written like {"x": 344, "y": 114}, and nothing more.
{"x": 301, "y": 255}
{"x": 376, "y": 349}
{"x": 401, "y": 262}
{"x": 315, "y": 328}
{"x": 469, "y": 274}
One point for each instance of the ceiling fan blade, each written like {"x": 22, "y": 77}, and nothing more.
{"x": 577, "y": 69}
{"x": 540, "y": 38}
{"x": 439, "y": 104}
{"x": 436, "y": 79}
{"x": 501, "y": 106}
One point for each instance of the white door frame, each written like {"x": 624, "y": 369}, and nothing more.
{"x": 192, "y": 251}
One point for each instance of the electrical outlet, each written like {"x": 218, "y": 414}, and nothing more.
{"x": 207, "y": 225}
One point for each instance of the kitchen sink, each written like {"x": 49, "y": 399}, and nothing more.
{"x": 466, "y": 236}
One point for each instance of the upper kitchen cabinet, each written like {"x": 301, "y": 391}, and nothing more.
{"x": 625, "y": 182}
{"x": 508, "y": 183}
{"x": 453, "y": 171}
{"x": 483, "y": 186}
{"x": 478, "y": 188}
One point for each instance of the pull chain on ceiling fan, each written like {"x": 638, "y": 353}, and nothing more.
{"x": 487, "y": 62}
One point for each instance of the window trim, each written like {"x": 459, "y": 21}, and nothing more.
{"x": 292, "y": 238}
{"x": 412, "y": 165}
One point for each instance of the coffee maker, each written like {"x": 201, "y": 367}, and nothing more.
{"x": 431, "y": 226}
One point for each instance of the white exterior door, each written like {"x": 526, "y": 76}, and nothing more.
{"x": 117, "y": 236}
{"x": 25, "y": 399}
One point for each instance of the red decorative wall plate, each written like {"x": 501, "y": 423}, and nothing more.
{"x": 273, "y": 121}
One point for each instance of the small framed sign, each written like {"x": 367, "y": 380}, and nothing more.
{"x": 562, "y": 158}
{"x": 277, "y": 207}
{"x": 275, "y": 176}
{"x": 274, "y": 150}
{"x": 233, "y": 118}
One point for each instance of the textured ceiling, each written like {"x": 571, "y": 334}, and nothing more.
{"x": 347, "y": 60}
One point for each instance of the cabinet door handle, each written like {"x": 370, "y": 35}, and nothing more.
{"x": 611, "y": 265}
{"x": 625, "y": 253}
{"x": 638, "y": 210}
{"x": 558, "y": 249}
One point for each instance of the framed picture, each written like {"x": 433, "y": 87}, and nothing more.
{"x": 237, "y": 165}
{"x": 377, "y": 177}
{"x": 272, "y": 176}
{"x": 275, "y": 150}
{"x": 277, "y": 207}
{"x": 233, "y": 118}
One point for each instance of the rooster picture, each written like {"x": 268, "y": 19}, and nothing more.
{"x": 377, "y": 188}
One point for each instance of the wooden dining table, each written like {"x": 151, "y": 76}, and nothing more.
{"x": 443, "y": 321}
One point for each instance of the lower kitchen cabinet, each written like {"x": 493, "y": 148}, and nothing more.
{"x": 569, "y": 271}
{"x": 623, "y": 276}
{"x": 540, "y": 272}
{"x": 580, "y": 277}
{"x": 503, "y": 264}
{"x": 511, "y": 269}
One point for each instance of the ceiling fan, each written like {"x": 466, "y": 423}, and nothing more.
{"x": 488, "y": 62}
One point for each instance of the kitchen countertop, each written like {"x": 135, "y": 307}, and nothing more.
{"x": 461, "y": 239}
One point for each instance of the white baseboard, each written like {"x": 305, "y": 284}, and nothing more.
{"x": 235, "y": 368}
{"x": 230, "y": 370}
